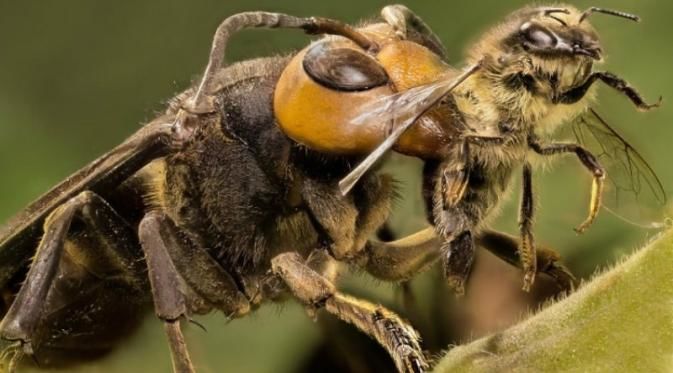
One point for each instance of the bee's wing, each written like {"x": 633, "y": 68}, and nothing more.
{"x": 401, "y": 109}
{"x": 633, "y": 191}
{"x": 99, "y": 176}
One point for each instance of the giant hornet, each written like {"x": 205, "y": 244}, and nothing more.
{"x": 255, "y": 181}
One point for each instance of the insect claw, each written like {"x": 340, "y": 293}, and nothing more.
{"x": 229, "y": 317}
{"x": 528, "y": 280}
{"x": 418, "y": 366}
{"x": 457, "y": 283}
{"x": 562, "y": 276}
{"x": 14, "y": 362}
{"x": 648, "y": 107}
{"x": 19, "y": 355}
{"x": 583, "y": 227}
{"x": 312, "y": 313}
{"x": 13, "y": 353}
{"x": 201, "y": 326}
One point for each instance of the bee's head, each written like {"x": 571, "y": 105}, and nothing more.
{"x": 549, "y": 33}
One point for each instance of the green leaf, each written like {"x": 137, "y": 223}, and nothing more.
{"x": 622, "y": 320}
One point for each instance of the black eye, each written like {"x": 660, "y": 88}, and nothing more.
{"x": 536, "y": 36}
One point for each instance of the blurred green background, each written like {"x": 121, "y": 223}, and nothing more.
{"x": 77, "y": 77}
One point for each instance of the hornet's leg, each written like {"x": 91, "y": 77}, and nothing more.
{"x": 401, "y": 259}
{"x": 118, "y": 243}
{"x": 399, "y": 339}
{"x": 334, "y": 216}
{"x": 201, "y": 102}
{"x": 408, "y": 25}
{"x": 149, "y": 143}
{"x": 345, "y": 223}
{"x": 169, "y": 302}
{"x": 371, "y": 198}
{"x": 167, "y": 263}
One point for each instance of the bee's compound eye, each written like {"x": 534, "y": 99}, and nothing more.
{"x": 537, "y": 36}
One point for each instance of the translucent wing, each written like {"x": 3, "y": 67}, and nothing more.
{"x": 633, "y": 191}
{"x": 401, "y": 109}
{"x": 405, "y": 105}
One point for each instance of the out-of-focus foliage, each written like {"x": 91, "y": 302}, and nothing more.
{"x": 620, "y": 322}
{"x": 77, "y": 77}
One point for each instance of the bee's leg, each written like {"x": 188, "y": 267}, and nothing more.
{"x": 526, "y": 250}
{"x": 459, "y": 256}
{"x": 402, "y": 259}
{"x": 201, "y": 101}
{"x": 591, "y": 163}
{"x": 408, "y": 25}
{"x": 506, "y": 247}
{"x": 612, "y": 80}
{"x": 168, "y": 264}
{"x": 455, "y": 178}
{"x": 21, "y": 322}
{"x": 454, "y": 219}
{"x": 399, "y": 339}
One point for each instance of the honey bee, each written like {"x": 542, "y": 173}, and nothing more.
{"x": 245, "y": 189}
{"x": 526, "y": 77}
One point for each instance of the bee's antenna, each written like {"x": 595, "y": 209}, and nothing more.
{"x": 616, "y": 13}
